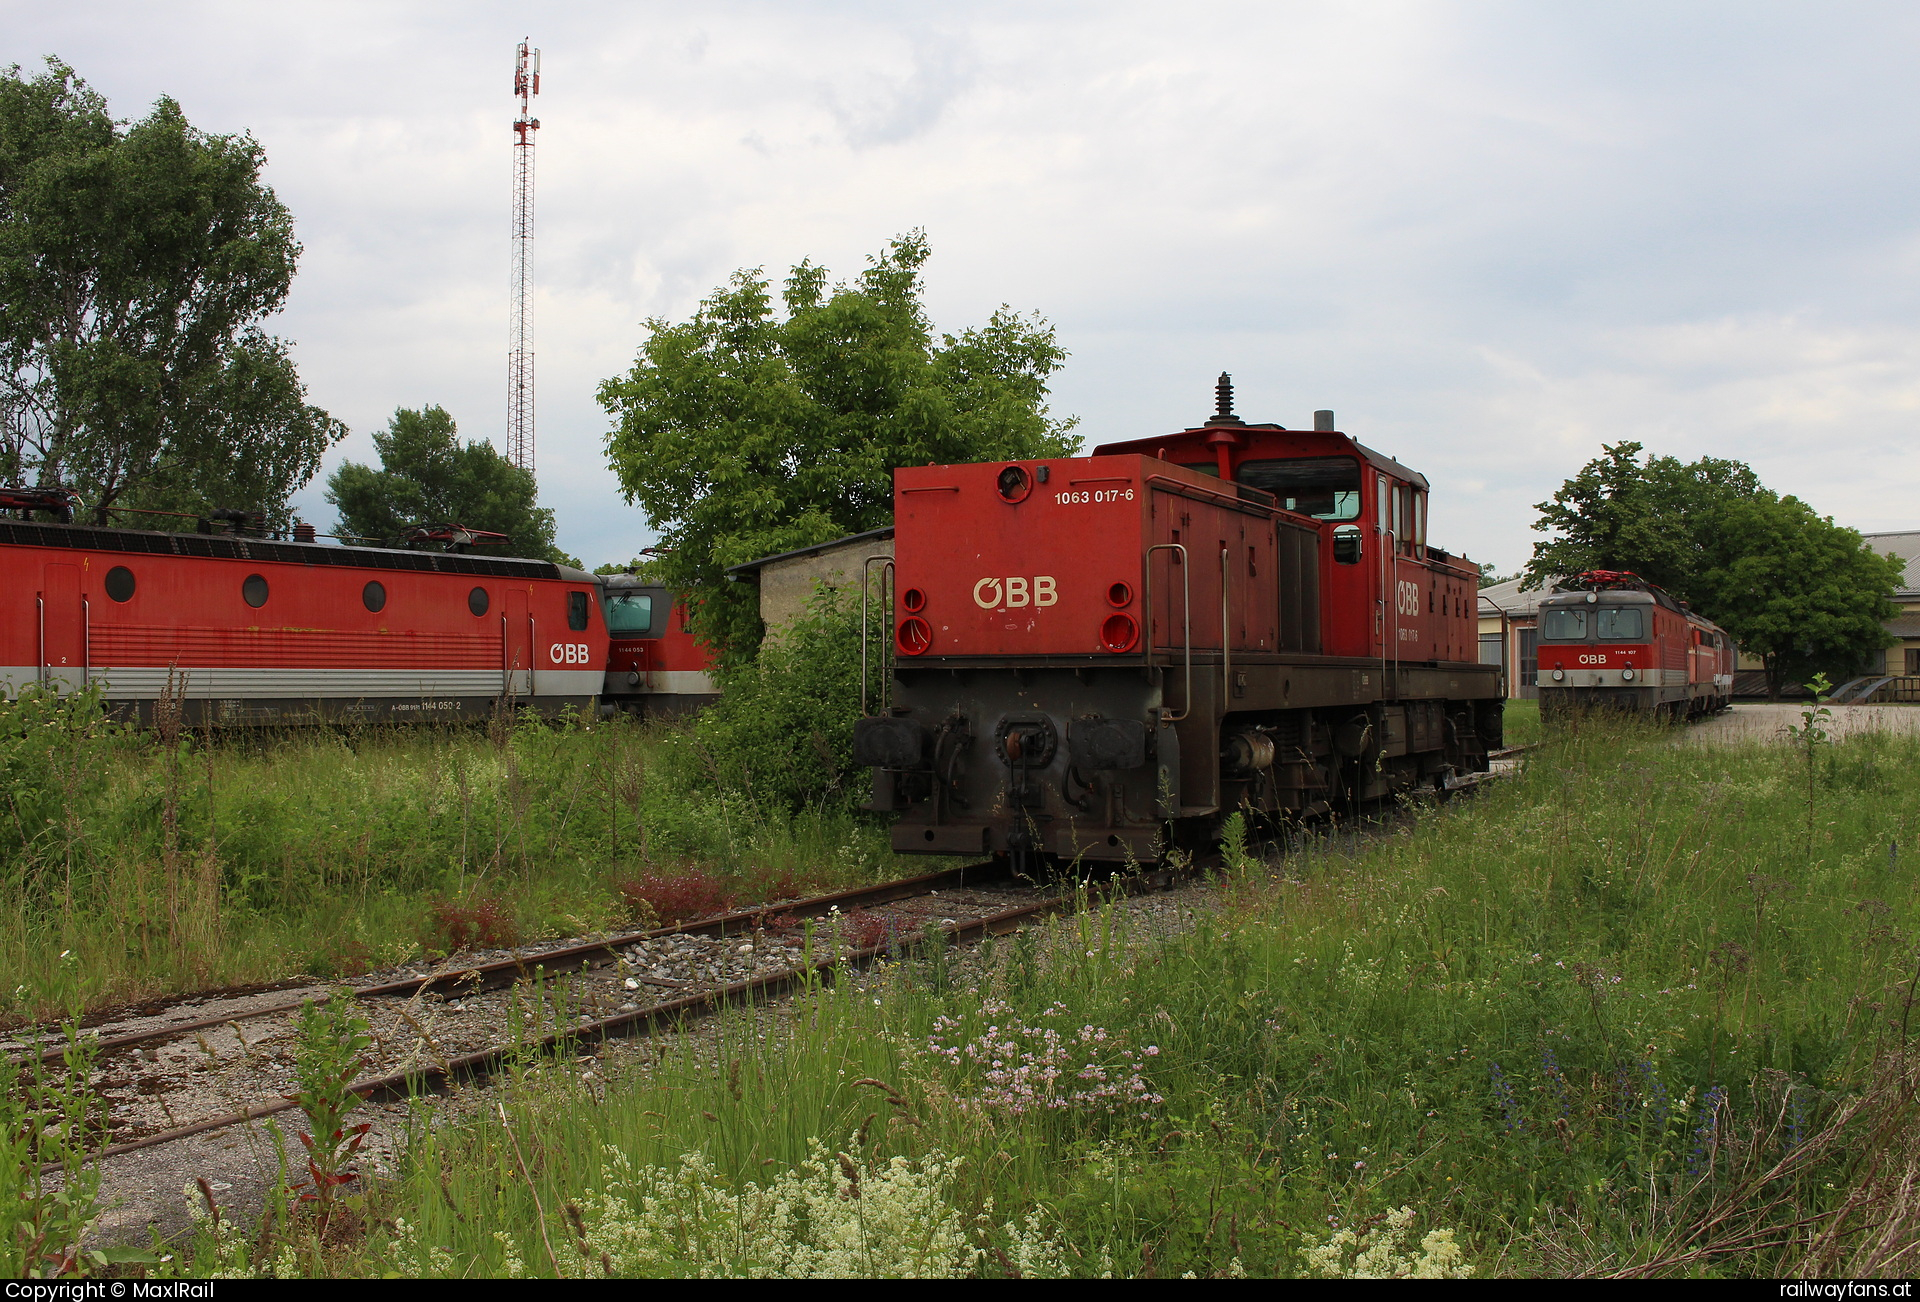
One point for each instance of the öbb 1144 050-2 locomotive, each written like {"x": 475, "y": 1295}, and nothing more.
{"x": 1098, "y": 657}
{"x": 1613, "y": 640}
{"x": 250, "y": 629}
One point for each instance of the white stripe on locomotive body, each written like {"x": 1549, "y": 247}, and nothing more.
{"x": 1612, "y": 678}
{"x": 146, "y": 683}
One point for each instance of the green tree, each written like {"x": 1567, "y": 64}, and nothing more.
{"x": 136, "y": 262}
{"x": 1796, "y": 590}
{"x": 1805, "y": 595}
{"x": 743, "y": 432}
{"x": 427, "y": 476}
{"x": 1490, "y": 574}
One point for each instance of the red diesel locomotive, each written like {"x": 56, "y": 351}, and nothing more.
{"x": 1098, "y": 657}
{"x": 1614, "y": 640}
{"x": 256, "y": 630}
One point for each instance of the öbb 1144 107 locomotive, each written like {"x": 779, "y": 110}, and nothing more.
{"x": 1098, "y": 657}
{"x": 250, "y": 629}
{"x": 1616, "y": 641}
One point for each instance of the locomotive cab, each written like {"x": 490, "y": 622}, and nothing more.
{"x": 654, "y": 664}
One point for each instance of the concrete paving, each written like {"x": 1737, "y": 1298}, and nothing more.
{"x": 1762, "y": 721}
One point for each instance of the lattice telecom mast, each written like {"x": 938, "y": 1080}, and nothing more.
{"x": 526, "y": 84}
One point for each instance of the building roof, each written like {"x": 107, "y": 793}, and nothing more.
{"x": 1510, "y": 598}
{"x": 751, "y": 569}
{"x": 1905, "y": 545}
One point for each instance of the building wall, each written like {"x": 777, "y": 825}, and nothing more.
{"x": 787, "y": 586}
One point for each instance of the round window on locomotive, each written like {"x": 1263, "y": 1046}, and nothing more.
{"x": 1014, "y": 483}
{"x": 374, "y": 595}
{"x": 120, "y": 583}
{"x": 254, "y": 591}
{"x": 477, "y": 601}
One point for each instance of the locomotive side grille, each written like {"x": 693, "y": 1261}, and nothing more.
{"x": 156, "y": 644}
{"x": 229, "y": 548}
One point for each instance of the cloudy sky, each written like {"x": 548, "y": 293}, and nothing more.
{"x": 1490, "y": 236}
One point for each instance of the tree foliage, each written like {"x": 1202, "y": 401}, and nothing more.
{"x": 428, "y": 476}
{"x": 1793, "y": 588}
{"x": 743, "y": 432}
{"x": 136, "y": 263}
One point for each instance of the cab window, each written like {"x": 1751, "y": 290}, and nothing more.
{"x": 1326, "y": 488}
{"x": 629, "y": 614}
{"x": 1563, "y": 626}
{"x": 577, "y": 611}
{"x": 1622, "y": 624}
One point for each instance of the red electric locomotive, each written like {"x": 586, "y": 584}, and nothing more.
{"x": 1614, "y": 640}
{"x": 654, "y": 664}
{"x": 1098, "y": 657}
{"x": 252, "y": 630}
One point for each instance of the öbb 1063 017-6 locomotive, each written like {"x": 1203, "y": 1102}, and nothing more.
{"x": 1613, "y": 640}
{"x": 1096, "y": 658}
{"x": 250, "y": 629}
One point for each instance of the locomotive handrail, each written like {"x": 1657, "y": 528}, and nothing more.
{"x": 1390, "y": 578}
{"x": 40, "y": 670}
{"x": 866, "y": 575}
{"x": 1186, "y": 620}
{"x": 1226, "y": 640}
{"x": 1196, "y": 490}
{"x": 86, "y": 642}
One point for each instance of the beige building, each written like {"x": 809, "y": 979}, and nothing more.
{"x": 1903, "y": 657}
{"x": 787, "y": 581}
{"x": 1509, "y": 634}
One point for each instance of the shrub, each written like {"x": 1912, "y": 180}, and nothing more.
{"x": 678, "y": 897}
{"x": 484, "y": 922}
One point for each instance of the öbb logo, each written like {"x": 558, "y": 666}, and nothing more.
{"x": 1407, "y": 598}
{"x": 1012, "y": 592}
{"x": 568, "y": 653}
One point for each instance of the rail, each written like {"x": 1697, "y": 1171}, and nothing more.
{"x": 1186, "y": 619}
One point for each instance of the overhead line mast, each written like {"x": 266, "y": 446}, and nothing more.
{"x": 526, "y": 84}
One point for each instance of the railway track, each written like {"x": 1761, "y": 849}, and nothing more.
{"x": 433, "y": 1030}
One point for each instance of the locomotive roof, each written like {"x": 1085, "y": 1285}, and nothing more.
{"x": 1335, "y": 442}
{"x": 238, "y": 547}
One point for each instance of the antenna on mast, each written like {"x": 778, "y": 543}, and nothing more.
{"x": 526, "y": 84}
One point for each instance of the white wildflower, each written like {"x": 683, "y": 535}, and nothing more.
{"x": 1381, "y": 1254}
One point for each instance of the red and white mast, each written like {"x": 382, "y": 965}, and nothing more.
{"x": 526, "y": 84}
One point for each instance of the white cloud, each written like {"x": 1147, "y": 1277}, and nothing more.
{"x": 1490, "y": 236}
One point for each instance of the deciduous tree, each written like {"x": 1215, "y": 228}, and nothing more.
{"x": 427, "y": 476}
{"x": 136, "y": 263}
{"x": 745, "y": 431}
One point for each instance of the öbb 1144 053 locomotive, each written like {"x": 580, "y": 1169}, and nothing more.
{"x": 1098, "y": 657}
{"x": 1614, "y": 640}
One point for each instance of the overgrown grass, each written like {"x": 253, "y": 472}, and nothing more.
{"x": 166, "y": 864}
{"x": 1609, "y": 1016}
